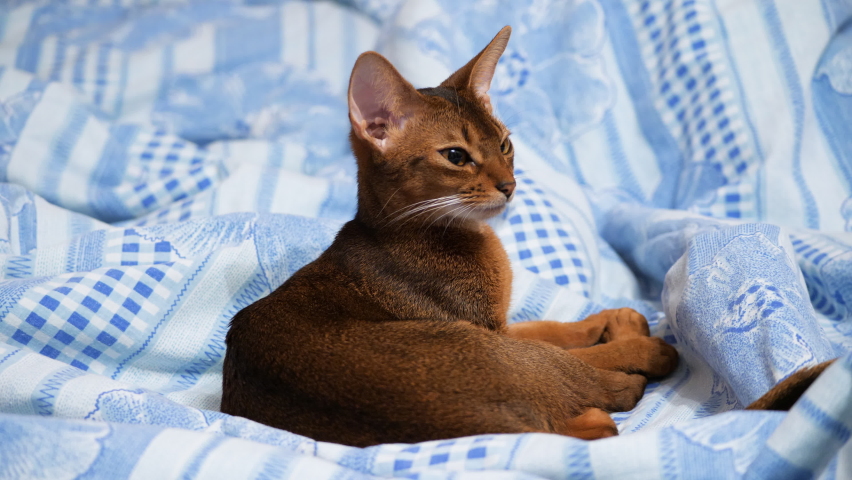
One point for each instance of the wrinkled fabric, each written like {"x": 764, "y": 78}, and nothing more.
{"x": 165, "y": 164}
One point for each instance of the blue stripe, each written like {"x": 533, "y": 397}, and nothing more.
{"x": 578, "y": 460}
{"x": 769, "y": 464}
{"x": 833, "y": 121}
{"x": 639, "y": 86}
{"x": 195, "y": 465}
{"x": 80, "y": 68}
{"x": 166, "y": 75}
{"x": 29, "y": 50}
{"x": 822, "y": 420}
{"x": 120, "y": 450}
{"x": 59, "y": 58}
{"x": 109, "y": 173}
{"x": 27, "y": 230}
{"x": 101, "y": 73}
{"x": 60, "y": 153}
{"x": 122, "y": 86}
{"x": 575, "y": 165}
{"x": 797, "y": 100}
{"x": 627, "y": 179}
{"x": 755, "y": 140}
{"x": 669, "y": 460}
{"x": 269, "y": 180}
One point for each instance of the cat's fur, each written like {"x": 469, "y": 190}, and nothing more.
{"x": 783, "y": 395}
{"x": 397, "y": 332}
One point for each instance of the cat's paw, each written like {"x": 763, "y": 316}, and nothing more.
{"x": 623, "y": 323}
{"x": 654, "y": 357}
{"x": 624, "y": 390}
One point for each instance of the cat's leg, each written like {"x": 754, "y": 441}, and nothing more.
{"x": 591, "y": 425}
{"x": 623, "y": 323}
{"x": 565, "y": 335}
{"x": 601, "y": 327}
{"x": 649, "y": 356}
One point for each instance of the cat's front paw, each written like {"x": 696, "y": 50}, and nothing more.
{"x": 653, "y": 356}
{"x": 624, "y": 323}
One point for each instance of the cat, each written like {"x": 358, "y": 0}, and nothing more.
{"x": 397, "y": 332}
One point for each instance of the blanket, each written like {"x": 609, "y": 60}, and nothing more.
{"x": 166, "y": 163}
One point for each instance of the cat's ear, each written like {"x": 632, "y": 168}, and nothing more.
{"x": 477, "y": 74}
{"x": 380, "y": 100}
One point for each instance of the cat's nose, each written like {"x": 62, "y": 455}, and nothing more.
{"x": 507, "y": 188}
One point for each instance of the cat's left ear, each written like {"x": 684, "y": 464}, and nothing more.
{"x": 380, "y": 100}
{"x": 477, "y": 74}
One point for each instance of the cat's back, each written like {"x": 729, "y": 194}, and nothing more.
{"x": 330, "y": 287}
{"x": 367, "y": 276}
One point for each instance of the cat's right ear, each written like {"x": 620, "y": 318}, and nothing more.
{"x": 476, "y": 75}
{"x": 380, "y": 100}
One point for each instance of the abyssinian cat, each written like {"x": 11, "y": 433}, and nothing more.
{"x": 397, "y": 332}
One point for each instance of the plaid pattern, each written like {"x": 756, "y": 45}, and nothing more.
{"x": 192, "y": 66}
{"x": 730, "y": 201}
{"x": 543, "y": 241}
{"x": 168, "y": 170}
{"x": 470, "y": 453}
{"x": 176, "y": 212}
{"x": 823, "y": 257}
{"x": 127, "y": 247}
{"x": 77, "y": 319}
{"x": 94, "y": 69}
{"x": 695, "y": 93}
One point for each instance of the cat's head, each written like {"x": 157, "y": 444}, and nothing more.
{"x": 434, "y": 155}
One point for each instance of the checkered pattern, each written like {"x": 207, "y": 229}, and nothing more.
{"x": 101, "y": 84}
{"x": 730, "y": 202}
{"x": 813, "y": 252}
{"x": 165, "y": 170}
{"x": 695, "y": 92}
{"x": 469, "y": 453}
{"x": 543, "y": 241}
{"x": 127, "y": 247}
{"x": 177, "y": 212}
{"x": 91, "y": 320}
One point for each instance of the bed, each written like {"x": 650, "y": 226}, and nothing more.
{"x": 166, "y": 163}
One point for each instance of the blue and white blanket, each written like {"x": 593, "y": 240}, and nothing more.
{"x": 165, "y": 164}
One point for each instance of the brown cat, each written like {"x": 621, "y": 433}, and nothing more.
{"x": 397, "y": 333}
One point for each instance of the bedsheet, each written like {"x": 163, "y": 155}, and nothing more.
{"x": 165, "y": 163}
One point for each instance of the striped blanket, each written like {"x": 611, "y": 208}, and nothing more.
{"x": 165, "y": 163}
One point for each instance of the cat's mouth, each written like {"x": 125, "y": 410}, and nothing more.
{"x": 484, "y": 212}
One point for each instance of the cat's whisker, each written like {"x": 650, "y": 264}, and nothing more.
{"x": 469, "y": 208}
{"x": 469, "y": 212}
{"x": 432, "y": 204}
{"x": 413, "y": 205}
{"x": 416, "y": 205}
{"x": 388, "y": 201}
{"x": 449, "y": 212}
{"x": 431, "y": 210}
{"x": 423, "y": 209}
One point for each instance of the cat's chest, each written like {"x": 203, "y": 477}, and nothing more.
{"x": 456, "y": 284}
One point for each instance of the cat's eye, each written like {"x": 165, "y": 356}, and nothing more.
{"x": 506, "y": 147}
{"x": 456, "y": 156}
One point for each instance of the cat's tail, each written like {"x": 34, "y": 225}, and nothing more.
{"x": 786, "y": 393}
